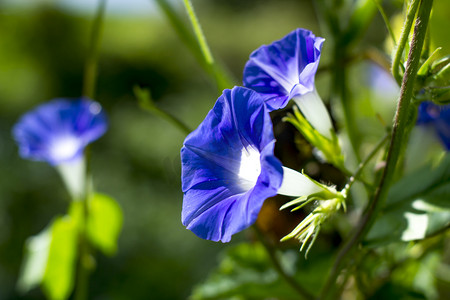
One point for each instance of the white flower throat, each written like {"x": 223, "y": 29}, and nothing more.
{"x": 250, "y": 167}
{"x": 294, "y": 183}
{"x": 64, "y": 147}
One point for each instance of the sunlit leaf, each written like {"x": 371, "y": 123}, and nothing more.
{"x": 58, "y": 280}
{"x": 417, "y": 206}
{"x": 104, "y": 223}
{"x": 35, "y": 260}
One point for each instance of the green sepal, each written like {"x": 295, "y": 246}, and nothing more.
{"x": 329, "y": 201}
{"x": 434, "y": 80}
{"x": 427, "y": 66}
{"x": 439, "y": 95}
{"x": 329, "y": 148}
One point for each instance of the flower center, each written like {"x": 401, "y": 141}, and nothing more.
{"x": 250, "y": 167}
{"x": 64, "y": 148}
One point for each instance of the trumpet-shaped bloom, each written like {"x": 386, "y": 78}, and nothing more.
{"x": 437, "y": 117}
{"x": 58, "y": 131}
{"x": 286, "y": 70}
{"x": 229, "y": 168}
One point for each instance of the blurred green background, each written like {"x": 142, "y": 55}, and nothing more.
{"x": 43, "y": 45}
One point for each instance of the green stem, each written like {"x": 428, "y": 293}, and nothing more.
{"x": 89, "y": 83}
{"x": 146, "y": 103}
{"x": 219, "y": 74}
{"x": 198, "y": 32}
{"x": 90, "y": 70}
{"x": 400, "y": 134}
{"x": 362, "y": 165}
{"x": 273, "y": 258}
{"x": 386, "y": 21}
{"x": 82, "y": 285}
{"x": 403, "y": 40}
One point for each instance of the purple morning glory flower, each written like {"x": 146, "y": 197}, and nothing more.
{"x": 229, "y": 168}
{"x": 58, "y": 131}
{"x": 437, "y": 117}
{"x": 285, "y": 70}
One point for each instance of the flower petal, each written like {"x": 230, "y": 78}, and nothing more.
{"x": 285, "y": 68}
{"x": 219, "y": 200}
{"x": 58, "y": 131}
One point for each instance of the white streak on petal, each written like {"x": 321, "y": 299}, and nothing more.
{"x": 296, "y": 184}
{"x": 314, "y": 110}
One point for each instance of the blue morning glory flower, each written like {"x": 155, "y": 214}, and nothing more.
{"x": 286, "y": 70}
{"x": 437, "y": 117}
{"x": 229, "y": 168}
{"x": 58, "y": 131}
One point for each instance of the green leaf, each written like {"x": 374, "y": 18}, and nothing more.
{"x": 246, "y": 272}
{"x": 50, "y": 259}
{"x": 104, "y": 223}
{"x": 35, "y": 260}
{"x": 58, "y": 280}
{"x": 417, "y": 206}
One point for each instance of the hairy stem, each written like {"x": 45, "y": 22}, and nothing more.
{"x": 403, "y": 40}
{"x": 399, "y": 136}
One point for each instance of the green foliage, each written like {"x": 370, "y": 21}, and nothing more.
{"x": 329, "y": 148}
{"x": 246, "y": 272}
{"x": 243, "y": 273}
{"x": 50, "y": 259}
{"x": 50, "y": 256}
{"x": 104, "y": 223}
{"x": 417, "y": 206}
{"x": 59, "y": 274}
{"x": 35, "y": 260}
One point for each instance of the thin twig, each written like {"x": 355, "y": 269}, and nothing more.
{"x": 90, "y": 70}
{"x": 273, "y": 258}
{"x": 386, "y": 20}
{"x": 364, "y": 163}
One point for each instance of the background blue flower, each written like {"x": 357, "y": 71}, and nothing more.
{"x": 58, "y": 131}
{"x": 438, "y": 117}
{"x": 228, "y": 166}
{"x": 284, "y": 69}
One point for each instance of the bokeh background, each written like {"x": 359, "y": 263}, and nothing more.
{"x": 43, "y": 46}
